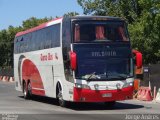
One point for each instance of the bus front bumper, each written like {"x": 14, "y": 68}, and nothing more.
{"x": 87, "y": 95}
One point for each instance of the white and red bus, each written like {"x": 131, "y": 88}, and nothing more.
{"x": 77, "y": 59}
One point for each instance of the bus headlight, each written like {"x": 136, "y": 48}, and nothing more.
{"x": 128, "y": 84}
{"x": 82, "y": 86}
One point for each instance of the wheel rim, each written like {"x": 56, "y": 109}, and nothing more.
{"x": 29, "y": 89}
{"x": 60, "y": 97}
{"x": 25, "y": 91}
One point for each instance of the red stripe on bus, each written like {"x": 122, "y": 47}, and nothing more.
{"x": 36, "y": 28}
{"x": 38, "y": 92}
{"x": 30, "y": 72}
{"x": 86, "y": 95}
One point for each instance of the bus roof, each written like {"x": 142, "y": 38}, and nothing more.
{"x": 79, "y": 17}
{"x": 86, "y": 17}
{"x": 38, "y": 27}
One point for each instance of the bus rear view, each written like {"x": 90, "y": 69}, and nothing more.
{"x": 101, "y": 60}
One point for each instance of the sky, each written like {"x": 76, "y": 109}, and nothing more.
{"x": 14, "y": 12}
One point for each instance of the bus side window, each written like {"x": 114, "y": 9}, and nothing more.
{"x": 77, "y": 33}
{"x": 122, "y": 34}
{"x": 48, "y": 37}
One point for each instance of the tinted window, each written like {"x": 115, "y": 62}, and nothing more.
{"x": 41, "y": 39}
{"x": 96, "y": 31}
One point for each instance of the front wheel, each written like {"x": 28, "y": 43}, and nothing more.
{"x": 27, "y": 90}
{"x": 61, "y": 101}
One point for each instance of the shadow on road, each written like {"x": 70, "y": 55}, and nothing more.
{"x": 101, "y": 106}
{"x": 42, "y": 99}
{"x": 86, "y": 106}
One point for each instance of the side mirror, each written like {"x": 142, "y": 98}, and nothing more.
{"x": 73, "y": 60}
{"x": 138, "y": 58}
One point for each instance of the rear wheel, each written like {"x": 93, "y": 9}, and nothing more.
{"x": 110, "y": 104}
{"x": 27, "y": 90}
{"x": 24, "y": 90}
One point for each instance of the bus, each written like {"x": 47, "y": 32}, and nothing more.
{"x": 76, "y": 59}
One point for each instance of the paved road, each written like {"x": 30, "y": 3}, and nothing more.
{"x": 14, "y": 105}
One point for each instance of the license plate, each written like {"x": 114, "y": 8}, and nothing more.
{"x": 107, "y": 95}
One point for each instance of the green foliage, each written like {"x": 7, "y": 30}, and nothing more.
{"x": 32, "y": 22}
{"x": 71, "y": 14}
{"x": 143, "y": 17}
{"x": 145, "y": 34}
{"x": 122, "y": 8}
{"x": 6, "y": 45}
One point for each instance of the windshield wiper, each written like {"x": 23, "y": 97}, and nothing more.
{"x": 91, "y": 76}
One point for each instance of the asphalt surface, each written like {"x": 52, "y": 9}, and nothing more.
{"x": 14, "y": 107}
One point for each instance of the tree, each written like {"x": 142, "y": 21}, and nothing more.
{"x": 128, "y": 9}
{"x": 143, "y": 17}
{"x": 3, "y": 37}
{"x": 145, "y": 34}
{"x": 33, "y": 22}
{"x": 7, "y": 39}
{"x": 70, "y": 14}
{"x": 6, "y": 45}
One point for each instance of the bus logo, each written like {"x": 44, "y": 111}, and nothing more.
{"x": 104, "y": 54}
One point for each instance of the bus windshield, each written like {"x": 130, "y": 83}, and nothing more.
{"x": 99, "y": 31}
{"x": 111, "y": 69}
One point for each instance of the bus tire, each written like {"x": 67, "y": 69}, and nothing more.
{"x": 27, "y": 90}
{"x": 110, "y": 104}
{"x": 61, "y": 101}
